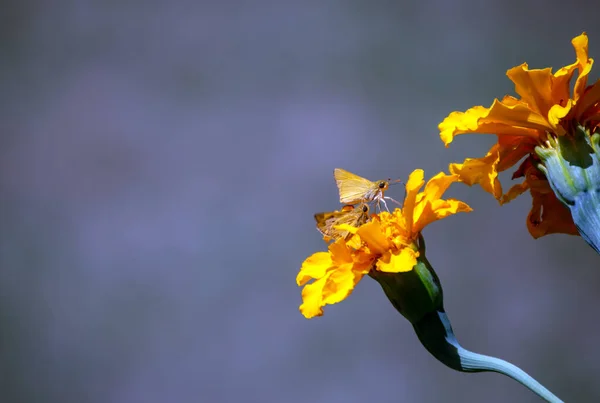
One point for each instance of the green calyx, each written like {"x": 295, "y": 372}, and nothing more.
{"x": 415, "y": 293}
{"x": 571, "y": 164}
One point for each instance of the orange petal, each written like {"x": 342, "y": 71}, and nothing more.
{"x": 580, "y": 43}
{"x": 590, "y": 97}
{"x": 534, "y": 87}
{"x": 516, "y": 119}
{"x": 561, "y": 84}
{"x": 514, "y": 191}
{"x": 548, "y": 216}
{"x": 512, "y": 149}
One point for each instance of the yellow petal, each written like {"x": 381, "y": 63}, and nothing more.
{"x": 314, "y": 267}
{"x": 507, "y": 117}
{"x": 439, "y": 209}
{"x": 556, "y": 114}
{"x": 372, "y": 234}
{"x": 414, "y": 183}
{"x": 461, "y": 122}
{"x": 399, "y": 262}
{"x": 515, "y": 119}
{"x": 339, "y": 253}
{"x": 346, "y": 227}
{"x": 482, "y": 171}
{"x": 339, "y": 285}
{"x": 437, "y": 186}
{"x": 312, "y": 299}
{"x": 354, "y": 242}
{"x": 453, "y": 206}
{"x": 434, "y": 189}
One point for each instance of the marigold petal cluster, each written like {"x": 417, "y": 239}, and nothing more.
{"x": 545, "y": 109}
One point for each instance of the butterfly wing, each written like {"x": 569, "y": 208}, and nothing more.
{"x": 353, "y": 188}
{"x": 323, "y": 220}
{"x": 326, "y": 222}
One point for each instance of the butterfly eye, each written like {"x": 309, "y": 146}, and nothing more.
{"x": 381, "y": 185}
{"x": 365, "y": 208}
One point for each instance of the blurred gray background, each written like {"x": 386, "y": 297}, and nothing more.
{"x": 160, "y": 163}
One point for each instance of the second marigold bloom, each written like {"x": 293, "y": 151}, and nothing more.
{"x": 546, "y": 114}
{"x": 388, "y": 243}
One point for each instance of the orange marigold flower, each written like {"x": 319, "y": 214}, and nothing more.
{"x": 387, "y": 243}
{"x": 545, "y": 112}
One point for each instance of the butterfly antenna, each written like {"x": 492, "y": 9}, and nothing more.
{"x": 395, "y": 181}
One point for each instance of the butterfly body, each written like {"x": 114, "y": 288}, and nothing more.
{"x": 356, "y": 189}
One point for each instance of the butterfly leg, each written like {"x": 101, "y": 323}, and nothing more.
{"x": 382, "y": 200}
{"x": 395, "y": 201}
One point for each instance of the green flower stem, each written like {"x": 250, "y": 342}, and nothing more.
{"x": 418, "y": 296}
{"x": 436, "y": 335}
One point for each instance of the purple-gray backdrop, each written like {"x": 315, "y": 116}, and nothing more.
{"x": 160, "y": 163}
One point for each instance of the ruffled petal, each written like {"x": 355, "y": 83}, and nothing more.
{"x": 482, "y": 171}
